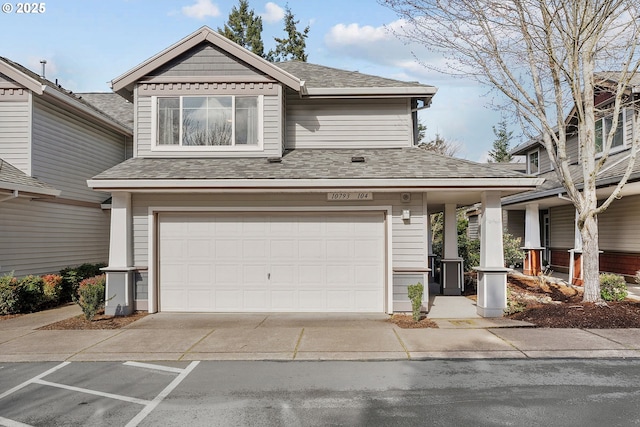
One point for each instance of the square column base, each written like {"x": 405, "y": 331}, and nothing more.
{"x": 119, "y": 291}
{"x": 452, "y": 277}
{"x": 492, "y": 291}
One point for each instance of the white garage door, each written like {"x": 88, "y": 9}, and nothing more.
{"x": 272, "y": 262}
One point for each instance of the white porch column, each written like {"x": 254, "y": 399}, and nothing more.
{"x": 532, "y": 249}
{"x": 451, "y": 274}
{"x": 119, "y": 291}
{"x": 492, "y": 274}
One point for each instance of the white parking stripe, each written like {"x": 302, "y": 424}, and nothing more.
{"x": 11, "y": 423}
{"x": 160, "y": 397}
{"x": 32, "y": 380}
{"x": 156, "y": 367}
{"x": 94, "y": 392}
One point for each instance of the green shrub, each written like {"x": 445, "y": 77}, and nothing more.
{"x": 513, "y": 255}
{"x": 52, "y": 289}
{"x": 91, "y": 295}
{"x": 31, "y": 293}
{"x": 612, "y": 287}
{"x": 72, "y": 276}
{"x": 9, "y": 295}
{"x": 415, "y": 295}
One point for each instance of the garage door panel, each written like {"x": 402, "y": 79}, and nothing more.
{"x": 228, "y": 248}
{"x": 311, "y": 300}
{"x": 272, "y": 262}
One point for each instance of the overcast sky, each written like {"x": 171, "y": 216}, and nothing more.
{"x": 90, "y": 42}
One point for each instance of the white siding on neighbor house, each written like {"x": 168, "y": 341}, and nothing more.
{"x": 68, "y": 150}
{"x": 619, "y": 225}
{"x": 562, "y": 226}
{"x": 271, "y": 133}
{"x": 42, "y": 237}
{"x": 408, "y": 240}
{"x": 15, "y": 121}
{"x": 205, "y": 60}
{"x": 348, "y": 123}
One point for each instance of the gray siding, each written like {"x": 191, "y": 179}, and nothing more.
{"x": 408, "y": 240}
{"x": 205, "y": 60}
{"x": 44, "y": 237}
{"x": 545, "y": 162}
{"x": 572, "y": 149}
{"x": 67, "y": 151}
{"x": 344, "y": 123}
{"x": 515, "y": 222}
{"x": 562, "y": 226}
{"x": 272, "y": 133}
{"x": 618, "y": 226}
{"x": 15, "y": 119}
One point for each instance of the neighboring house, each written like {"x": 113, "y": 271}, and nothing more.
{"x": 51, "y": 142}
{"x": 288, "y": 187}
{"x": 545, "y": 218}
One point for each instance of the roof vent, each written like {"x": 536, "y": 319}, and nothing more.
{"x": 357, "y": 159}
{"x": 274, "y": 159}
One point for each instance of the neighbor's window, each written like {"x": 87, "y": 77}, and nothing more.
{"x": 603, "y": 127}
{"x": 208, "y": 121}
{"x": 533, "y": 162}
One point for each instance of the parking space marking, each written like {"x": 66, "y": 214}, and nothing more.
{"x": 94, "y": 392}
{"x": 10, "y": 423}
{"x": 155, "y": 367}
{"x": 149, "y": 405}
{"x": 160, "y": 397}
{"x": 32, "y": 380}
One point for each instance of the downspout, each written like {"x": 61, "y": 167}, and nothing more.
{"x": 14, "y": 195}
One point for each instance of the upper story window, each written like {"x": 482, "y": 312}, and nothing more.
{"x": 603, "y": 127}
{"x": 208, "y": 121}
{"x": 533, "y": 162}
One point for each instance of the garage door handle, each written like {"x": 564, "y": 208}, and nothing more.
{"x": 268, "y": 276}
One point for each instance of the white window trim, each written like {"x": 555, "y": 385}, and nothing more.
{"x": 529, "y": 163}
{"x": 619, "y": 148}
{"x": 208, "y": 148}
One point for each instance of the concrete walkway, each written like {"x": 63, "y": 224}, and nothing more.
{"x": 188, "y": 336}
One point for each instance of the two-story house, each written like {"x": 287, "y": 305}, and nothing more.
{"x": 51, "y": 142}
{"x": 288, "y": 187}
{"x": 545, "y": 218}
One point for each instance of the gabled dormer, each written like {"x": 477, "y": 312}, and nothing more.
{"x": 206, "y": 96}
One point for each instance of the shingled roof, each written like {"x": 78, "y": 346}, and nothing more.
{"x": 69, "y": 95}
{"x": 392, "y": 163}
{"x": 319, "y": 76}
{"x": 610, "y": 174}
{"x": 12, "y": 178}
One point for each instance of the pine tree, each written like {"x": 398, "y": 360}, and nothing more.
{"x": 244, "y": 27}
{"x": 294, "y": 45}
{"x": 500, "y": 151}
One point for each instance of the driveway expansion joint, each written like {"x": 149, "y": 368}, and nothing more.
{"x": 404, "y": 347}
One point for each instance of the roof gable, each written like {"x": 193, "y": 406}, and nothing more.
{"x": 124, "y": 84}
{"x": 20, "y": 75}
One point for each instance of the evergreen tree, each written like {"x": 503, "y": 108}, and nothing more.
{"x": 244, "y": 27}
{"x": 500, "y": 151}
{"x": 294, "y": 45}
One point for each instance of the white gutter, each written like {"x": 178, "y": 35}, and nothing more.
{"x": 374, "y": 91}
{"x": 317, "y": 184}
{"x": 31, "y": 190}
{"x": 13, "y": 195}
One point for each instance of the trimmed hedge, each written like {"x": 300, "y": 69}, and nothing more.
{"x": 91, "y": 295}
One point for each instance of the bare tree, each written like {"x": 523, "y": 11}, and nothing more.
{"x": 543, "y": 56}
{"x": 440, "y": 145}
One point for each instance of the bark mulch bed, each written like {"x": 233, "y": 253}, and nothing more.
{"x": 549, "y": 305}
{"x": 100, "y": 321}
{"x": 406, "y": 321}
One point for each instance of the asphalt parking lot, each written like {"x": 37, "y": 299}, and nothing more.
{"x": 86, "y": 393}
